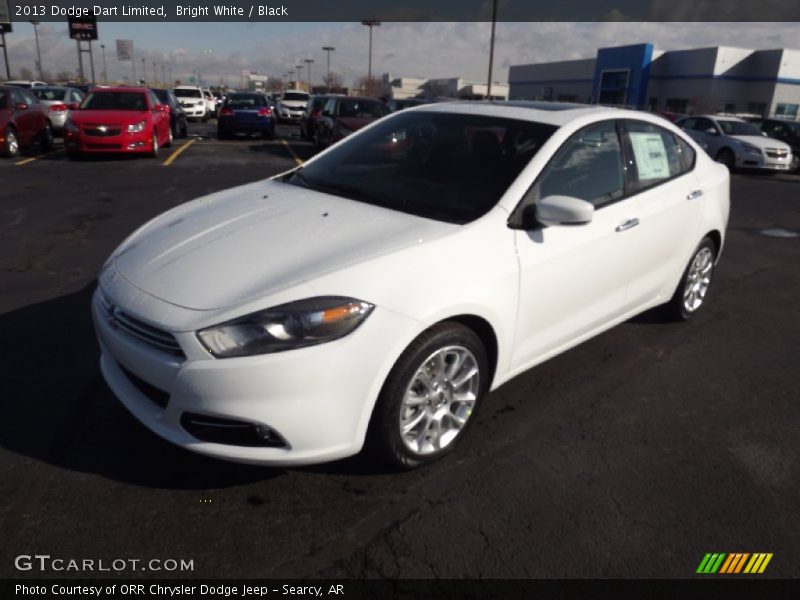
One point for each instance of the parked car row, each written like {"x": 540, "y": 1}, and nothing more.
{"x": 24, "y": 121}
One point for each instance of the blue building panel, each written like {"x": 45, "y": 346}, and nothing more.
{"x": 621, "y": 75}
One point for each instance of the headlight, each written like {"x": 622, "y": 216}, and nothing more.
{"x": 295, "y": 325}
{"x": 137, "y": 127}
{"x": 70, "y": 126}
{"x": 751, "y": 149}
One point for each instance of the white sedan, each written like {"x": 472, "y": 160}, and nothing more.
{"x": 377, "y": 293}
{"x": 738, "y": 144}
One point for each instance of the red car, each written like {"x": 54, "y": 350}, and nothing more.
{"x": 342, "y": 115}
{"x": 23, "y": 121}
{"x": 118, "y": 120}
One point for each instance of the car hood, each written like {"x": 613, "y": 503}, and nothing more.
{"x": 235, "y": 246}
{"x": 294, "y": 103}
{"x": 759, "y": 141}
{"x": 108, "y": 117}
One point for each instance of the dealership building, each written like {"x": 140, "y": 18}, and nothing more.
{"x": 718, "y": 79}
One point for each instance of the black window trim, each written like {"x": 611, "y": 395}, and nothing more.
{"x": 515, "y": 218}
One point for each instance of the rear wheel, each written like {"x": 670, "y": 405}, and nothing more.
{"x": 11, "y": 145}
{"x": 429, "y": 399}
{"x": 269, "y": 134}
{"x": 693, "y": 288}
{"x": 184, "y": 127}
{"x": 222, "y": 134}
{"x": 170, "y": 137}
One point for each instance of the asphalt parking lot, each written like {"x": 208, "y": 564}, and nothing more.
{"x": 630, "y": 456}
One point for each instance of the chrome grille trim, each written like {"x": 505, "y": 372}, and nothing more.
{"x": 151, "y": 335}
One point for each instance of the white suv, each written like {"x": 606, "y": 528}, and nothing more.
{"x": 292, "y": 106}
{"x": 192, "y": 100}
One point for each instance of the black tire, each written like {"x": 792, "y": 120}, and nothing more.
{"x": 72, "y": 155}
{"x": 10, "y": 147}
{"x": 184, "y": 130}
{"x": 384, "y": 437}
{"x": 170, "y": 138}
{"x": 318, "y": 138}
{"x": 46, "y": 142}
{"x": 222, "y": 134}
{"x": 269, "y": 135}
{"x": 677, "y": 306}
{"x": 727, "y": 158}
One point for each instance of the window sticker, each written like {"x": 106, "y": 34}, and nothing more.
{"x": 651, "y": 155}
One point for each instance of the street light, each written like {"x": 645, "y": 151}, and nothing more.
{"x": 328, "y": 49}
{"x": 38, "y": 53}
{"x": 155, "y": 74}
{"x": 491, "y": 52}
{"x": 370, "y": 24}
{"x": 164, "y": 76}
{"x": 105, "y": 68}
{"x": 144, "y": 70}
{"x": 299, "y": 69}
{"x": 308, "y": 61}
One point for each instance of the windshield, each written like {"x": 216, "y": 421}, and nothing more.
{"x": 161, "y": 94}
{"x": 295, "y": 96}
{"x": 48, "y": 93}
{"x": 361, "y": 108}
{"x": 445, "y": 166}
{"x": 239, "y": 101}
{"x": 739, "y": 128}
{"x": 115, "y": 101}
{"x": 187, "y": 93}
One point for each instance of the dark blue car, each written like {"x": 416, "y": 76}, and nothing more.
{"x": 246, "y": 112}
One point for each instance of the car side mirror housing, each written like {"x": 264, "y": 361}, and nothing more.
{"x": 20, "y": 106}
{"x": 564, "y": 210}
{"x": 711, "y": 131}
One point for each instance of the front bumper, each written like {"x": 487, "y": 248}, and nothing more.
{"x": 256, "y": 126}
{"x": 317, "y": 399}
{"x": 753, "y": 161}
{"x": 194, "y": 112}
{"x": 123, "y": 143}
{"x": 291, "y": 115}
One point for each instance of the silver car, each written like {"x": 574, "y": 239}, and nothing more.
{"x": 60, "y": 100}
{"x": 737, "y": 144}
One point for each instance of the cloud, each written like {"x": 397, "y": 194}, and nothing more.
{"x": 402, "y": 49}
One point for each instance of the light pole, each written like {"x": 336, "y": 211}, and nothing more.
{"x": 328, "y": 49}
{"x": 370, "y": 24}
{"x": 308, "y": 61}
{"x": 155, "y": 74}
{"x": 144, "y": 70}
{"x": 105, "y": 68}
{"x": 491, "y": 52}
{"x": 299, "y": 70}
{"x": 171, "y": 80}
{"x": 164, "y": 76}
{"x": 38, "y": 52}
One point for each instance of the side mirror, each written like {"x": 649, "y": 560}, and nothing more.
{"x": 564, "y": 210}
{"x": 20, "y": 106}
{"x": 711, "y": 131}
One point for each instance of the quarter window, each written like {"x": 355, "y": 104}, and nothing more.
{"x": 588, "y": 166}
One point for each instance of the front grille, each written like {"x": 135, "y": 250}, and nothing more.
{"x": 776, "y": 153}
{"x": 155, "y": 395}
{"x": 231, "y": 432}
{"x": 153, "y": 336}
{"x": 104, "y": 146}
{"x": 102, "y": 132}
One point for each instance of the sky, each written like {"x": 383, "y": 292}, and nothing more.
{"x": 220, "y": 51}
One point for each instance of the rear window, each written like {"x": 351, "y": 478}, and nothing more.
{"x": 187, "y": 93}
{"x": 361, "y": 108}
{"x": 48, "y": 93}
{"x": 243, "y": 101}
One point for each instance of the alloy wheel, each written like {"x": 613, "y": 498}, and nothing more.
{"x": 698, "y": 280}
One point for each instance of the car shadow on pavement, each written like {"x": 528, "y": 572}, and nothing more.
{"x": 279, "y": 149}
{"x": 57, "y": 409}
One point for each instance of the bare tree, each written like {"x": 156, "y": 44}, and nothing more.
{"x": 334, "y": 82}
{"x": 274, "y": 84}
{"x": 370, "y": 86}
{"x": 25, "y": 73}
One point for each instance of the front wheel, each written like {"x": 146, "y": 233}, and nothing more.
{"x": 154, "y": 145}
{"x": 693, "y": 288}
{"x": 727, "y": 158}
{"x": 46, "y": 140}
{"x": 430, "y": 396}
{"x": 10, "y": 147}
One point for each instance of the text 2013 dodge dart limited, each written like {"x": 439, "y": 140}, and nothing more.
{"x": 376, "y": 293}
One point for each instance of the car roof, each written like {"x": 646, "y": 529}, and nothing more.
{"x": 723, "y": 118}
{"x": 551, "y": 113}
{"x": 141, "y": 90}
{"x": 360, "y": 98}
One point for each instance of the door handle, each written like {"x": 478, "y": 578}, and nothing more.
{"x": 694, "y": 194}
{"x": 627, "y": 224}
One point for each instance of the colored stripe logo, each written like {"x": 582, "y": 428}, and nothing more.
{"x": 734, "y": 563}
